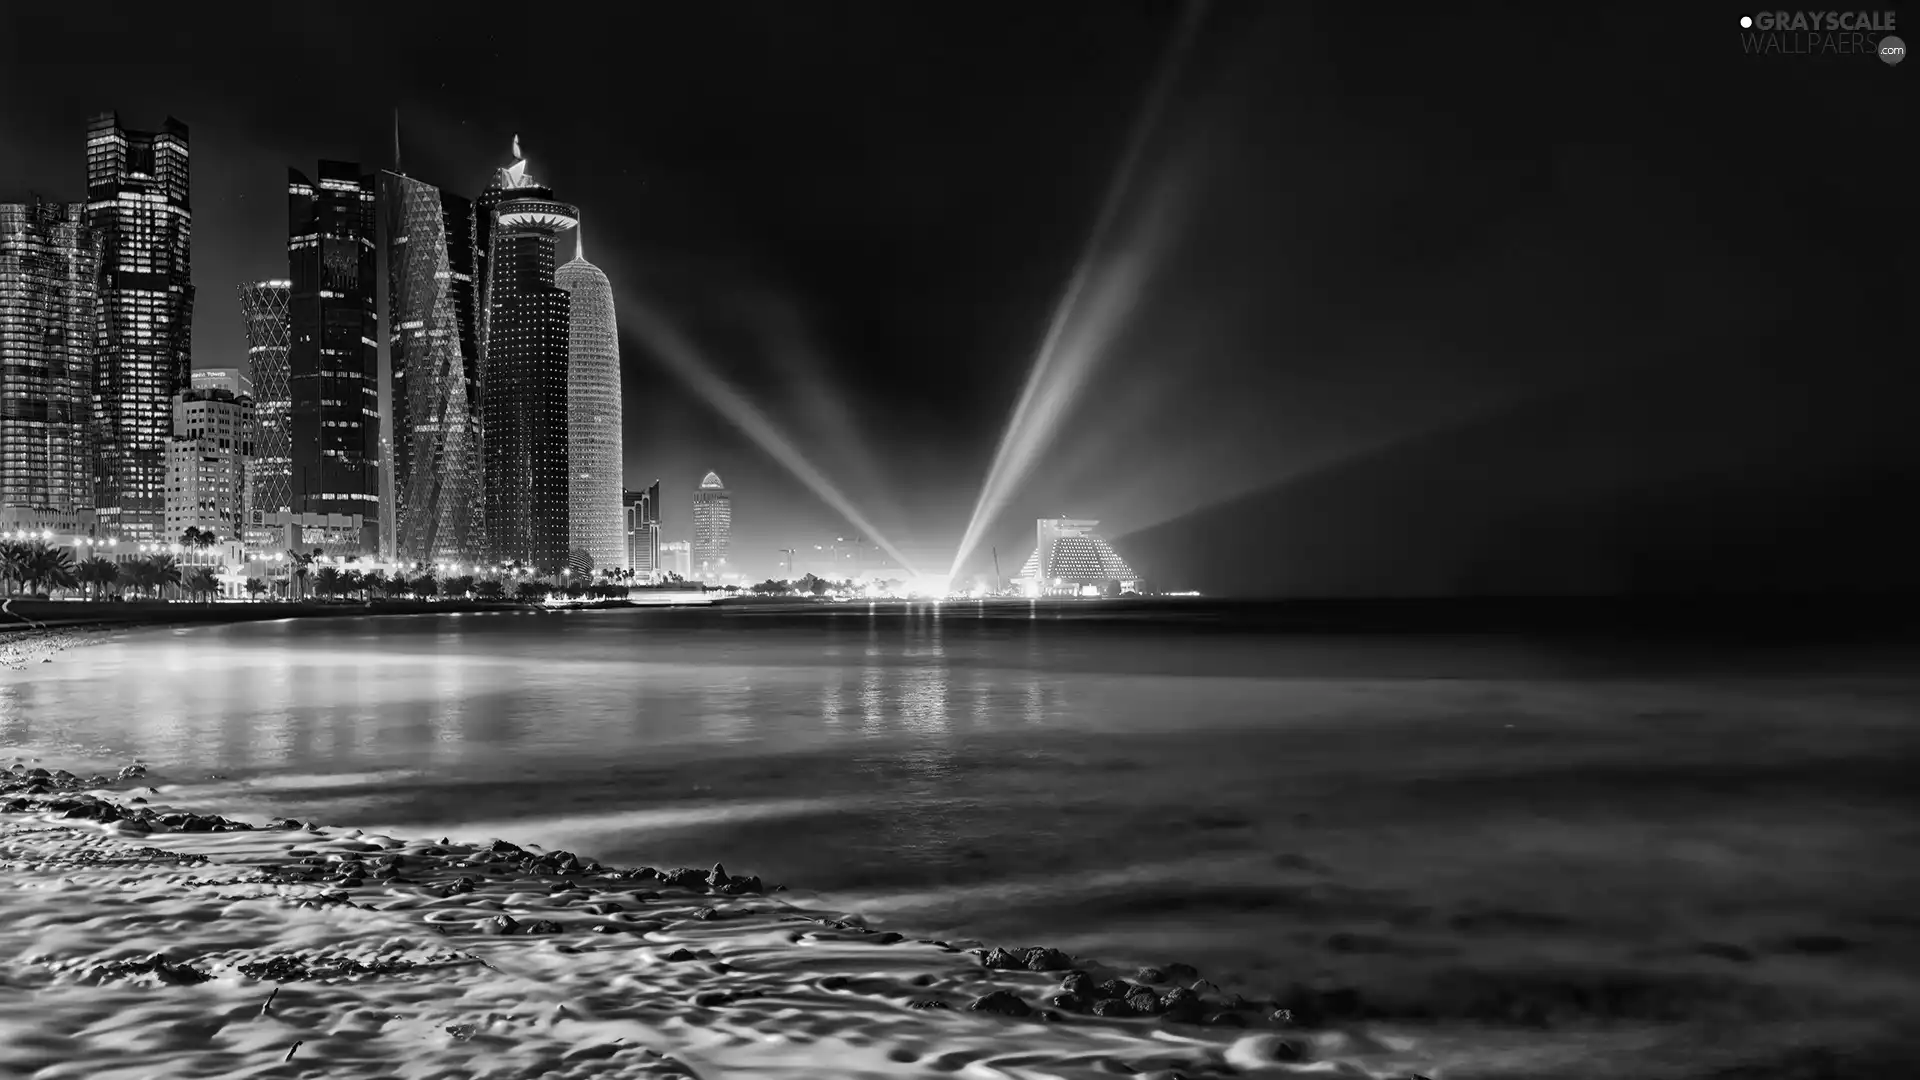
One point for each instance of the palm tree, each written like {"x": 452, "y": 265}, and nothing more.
{"x": 14, "y": 561}
{"x": 352, "y": 581}
{"x": 99, "y": 573}
{"x": 424, "y": 586}
{"x": 298, "y": 562}
{"x": 459, "y": 586}
{"x": 51, "y": 567}
{"x": 165, "y": 572}
{"x": 326, "y": 581}
{"x": 255, "y": 587}
{"x": 201, "y": 581}
{"x": 138, "y": 573}
{"x": 490, "y": 589}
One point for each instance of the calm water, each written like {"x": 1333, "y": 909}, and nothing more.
{"x": 1455, "y": 827}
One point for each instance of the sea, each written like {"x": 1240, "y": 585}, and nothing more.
{"x": 1684, "y": 850}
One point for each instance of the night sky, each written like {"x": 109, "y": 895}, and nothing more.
{"x": 1437, "y": 304}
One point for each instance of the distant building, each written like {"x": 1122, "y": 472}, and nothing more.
{"x": 49, "y": 259}
{"x": 207, "y": 463}
{"x": 594, "y": 455}
{"x": 439, "y": 463}
{"x": 333, "y": 354}
{"x": 643, "y": 531}
{"x": 137, "y": 205}
{"x": 1069, "y": 559}
{"x": 233, "y": 380}
{"x": 676, "y": 557}
{"x": 712, "y": 526}
{"x": 524, "y": 367}
{"x": 263, "y": 306}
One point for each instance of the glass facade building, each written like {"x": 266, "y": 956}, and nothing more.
{"x": 263, "y": 306}
{"x": 594, "y": 455}
{"x": 438, "y": 451}
{"x": 642, "y": 509}
{"x": 712, "y": 526}
{"x": 333, "y": 352}
{"x": 1069, "y": 557}
{"x": 137, "y": 205}
{"x": 49, "y": 258}
{"x": 524, "y": 373}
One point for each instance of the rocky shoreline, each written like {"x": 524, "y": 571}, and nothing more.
{"x": 711, "y": 929}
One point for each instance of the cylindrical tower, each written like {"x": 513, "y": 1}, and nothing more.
{"x": 593, "y": 417}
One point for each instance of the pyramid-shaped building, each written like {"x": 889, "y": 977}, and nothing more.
{"x": 1069, "y": 558}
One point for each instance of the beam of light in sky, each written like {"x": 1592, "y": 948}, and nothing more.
{"x": 1083, "y": 319}
{"x": 681, "y": 356}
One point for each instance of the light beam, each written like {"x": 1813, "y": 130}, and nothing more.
{"x": 681, "y": 356}
{"x": 1081, "y": 323}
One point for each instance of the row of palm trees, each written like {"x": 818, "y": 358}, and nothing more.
{"x": 42, "y": 568}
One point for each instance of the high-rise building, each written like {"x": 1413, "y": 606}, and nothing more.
{"x": 643, "y": 530}
{"x": 523, "y": 371}
{"x": 333, "y": 363}
{"x": 263, "y": 305}
{"x": 594, "y": 455}
{"x": 233, "y": 380}
{"x": 439, "y": 463}
{"x": 712, "y": 526}
{"x": 676, "y": 557}
{"x": 207, "y": 463}
{"x": 1069, "y": 557}
{"x": 137, "y": 204}
{"x": 49, "y": 261}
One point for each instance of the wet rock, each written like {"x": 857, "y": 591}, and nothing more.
{"x": 1115, "y": 988}
{"x": 543, "y": 926}
{"x": 1078, "y": 983}
{"x": 718, "y": 876}
{"x": 1048, "y": 960}
{"x": 1150, "y": 975}
{"x": 500, "y": 924}
{"x": 706, "y": 914}
{"x": 1204, "y": 988}
{"x": 888, "y": 938}
{"x": 680, "y": 956}
{"x": 1004, "y": 1002}
{"x": 501, "y": 847}
{"x": 834, "y": 982}
{"x": 604, "y": 907}
{"x": 1182, "y": 973}
{"x": 39, "y": 774}
{"x": 1283, "y": 1017}
{"x": 1112, "y": 1007}
{"x": 1144, "y": 1003}
{"x": 928, "y": 1003}
{"x": 1000, "y": 959}
{"x": 1069, "y": 1002}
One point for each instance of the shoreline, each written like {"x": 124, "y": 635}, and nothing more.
{"x": 701, "y": 949}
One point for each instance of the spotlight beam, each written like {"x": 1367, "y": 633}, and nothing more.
{"x": 680, "y": 354}
{"x": 1054, "y": 379}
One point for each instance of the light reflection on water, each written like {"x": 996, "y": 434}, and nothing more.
{"x": 1242, "y": 799}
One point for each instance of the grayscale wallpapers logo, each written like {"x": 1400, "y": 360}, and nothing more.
{"x": 1822, "y": 33}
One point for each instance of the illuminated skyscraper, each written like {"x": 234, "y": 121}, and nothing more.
{"x": 643, "y": 531}
{"x": 269, "y": 484}
{"x": 438, "y": 454}
{"x": 333, "y": 358}
{"x": 137, "y": 204}
{"x": 1068, "y": 558}
{"x": 523, "y": 371}
{"x": 594, "y": 457}
{"x": 49, "y": 259}
{"x": 712, "y": 526}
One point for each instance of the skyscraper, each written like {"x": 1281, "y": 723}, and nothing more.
{"x": 49, "y": 259}
{"x": 675, "y": 558}
{"x": 712, "y": 526}
{"x": 594, "y": 456}
{"x": 231, "y": 379}
{"x": 523, "y": 371}
{"x": 1068, "y": 557}
{"x": 438, "y": 453}
{"x": 269, "y": 485}
{"x": 643, "y": 531}
{"x": 137, "y": 204}
{"x": 333, "y": 356}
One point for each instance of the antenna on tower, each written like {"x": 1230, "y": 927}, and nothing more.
{"x": 517, "y": 156}
{"x": 396, "y": 142}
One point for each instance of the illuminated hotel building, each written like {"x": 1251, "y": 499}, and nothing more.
{"x": 524, "y": 370}
{"x": 438, "y": 455}
{"x": 712, "y": 526}
{"x": 594, "y": 457}
{"x": 676, "y": 557}
{"x": 49, "y": 259}
{"x": 1070, "y": 559}
{"x": 207, "y": 462}
{"x": 643, "y": 531}
{"x": 263, "y": 306}
{"x": 233, "y": 380}
{"x": 333, "y": 359}
{"x": 137, "y": 205}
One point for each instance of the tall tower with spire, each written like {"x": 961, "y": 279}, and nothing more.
{"x": 593, "y": 417}
{"x": 524, "y": 362}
